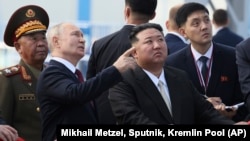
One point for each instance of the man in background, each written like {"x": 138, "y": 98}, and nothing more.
{"x": 107, "y": 49}
{"x": 175, "y": 41}
{"x": 223, "y": 34}
{"x": 26, "y": 32}
{"x": 243, "y": 63}
{"x": 211, "y": 67}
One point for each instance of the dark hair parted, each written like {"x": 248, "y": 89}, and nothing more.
{"x": 220, "y": 16}
{"x": 145, "y": 7}
{"x": 137, "y": 29}
{"x": 186, "y": 10}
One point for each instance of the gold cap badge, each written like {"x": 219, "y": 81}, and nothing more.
{"x": 30, "y": 13}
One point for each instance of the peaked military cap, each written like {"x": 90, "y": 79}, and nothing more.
{"x": 25, "y": 20}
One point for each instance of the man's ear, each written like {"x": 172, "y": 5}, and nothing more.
{"x": 134, "y": 53}
{"x": 167, "y": 24}
{"x": 55, "y": 41}
{"x": 127, "y": 12}
{"x": 17, "y": 47}
{"x": 182, "y": 32}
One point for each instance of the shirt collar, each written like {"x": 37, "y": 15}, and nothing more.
{"x": 69, "y": 65}
{"x": 155, "y": 79}
{"x": 197, "y": 55}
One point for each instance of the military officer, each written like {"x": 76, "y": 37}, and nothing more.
{"x": 25, "y": 31}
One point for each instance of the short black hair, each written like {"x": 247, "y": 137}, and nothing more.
{"x": 137, "y": 29}
{"x": 145, "y": 7}
{"x": 186, "y": 10}
{"x": 220, "y": 16}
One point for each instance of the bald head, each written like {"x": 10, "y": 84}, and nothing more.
{"x": 173, "y": 11}
{"x": 170, "y": 23}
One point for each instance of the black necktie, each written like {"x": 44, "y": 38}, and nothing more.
{"x": 79, "y": 75}
{"x": 204, "y": 69}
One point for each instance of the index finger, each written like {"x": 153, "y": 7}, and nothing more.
{"x": 128, "y": 52}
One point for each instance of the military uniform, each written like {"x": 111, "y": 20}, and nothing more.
{"x": 2, "y": 121}
{"x": 18, "y": 104}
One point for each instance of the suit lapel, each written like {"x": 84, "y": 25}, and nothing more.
{"x": 174, "y": 93}
{"x": 215, "y": 70}
{"x": 151, "y": 90}
{"x": 192, "y": 69}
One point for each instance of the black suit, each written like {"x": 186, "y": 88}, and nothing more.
{"x": 223, "y": 82}
{"x": 227, "y": 37}
{"x": 174, "y": 43}
{"x": 105, "y": 52}
{"x": 136, "y": 100}
{"x": 64, "y": 100}
{"x": 243, "y": 62}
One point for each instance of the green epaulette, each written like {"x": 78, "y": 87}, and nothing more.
{"x": 10, "y": 71}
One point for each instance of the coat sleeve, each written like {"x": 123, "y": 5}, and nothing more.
{"x": 243, "y": 62}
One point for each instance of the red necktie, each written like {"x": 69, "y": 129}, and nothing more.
{"x": 80, "y": 78}
{"x": 79, "y": 75}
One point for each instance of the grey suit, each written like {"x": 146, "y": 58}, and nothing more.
{"x": 243, "y": 62}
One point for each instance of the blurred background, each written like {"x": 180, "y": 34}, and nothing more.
{"x": 98, "y": 18}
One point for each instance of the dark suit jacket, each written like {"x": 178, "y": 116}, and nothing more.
{"x": 105, "y": 52}
{"x": 18, "y": 102}
{"x": 136, "y": 100}
{"x": 223, "y": 82}
{"x": 2, "y": 121}
{"x": 64, "y": 100}
{"x": 243, "y": 62}
{"x": 227, "y": 37}
{"x": 174, "y": 43}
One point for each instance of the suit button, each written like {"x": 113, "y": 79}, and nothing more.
{"x": 38, "y": 109}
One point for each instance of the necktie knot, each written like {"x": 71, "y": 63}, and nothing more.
{"x": 79, "y": 75}
{"x": 203, "y": 59}
{"x": 160, "y": 83}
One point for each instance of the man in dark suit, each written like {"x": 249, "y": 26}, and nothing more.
{"x": 107, "y": 49}
{"x": 217, "y": 78}
{"x": 175, "y": 41}
{"x": 25, "y": 31}
{"x": 63, "y": 97}
{"x": 139, "y": 100}
{"x": 243, "y": 63}
{"x": 223, "y": 34}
